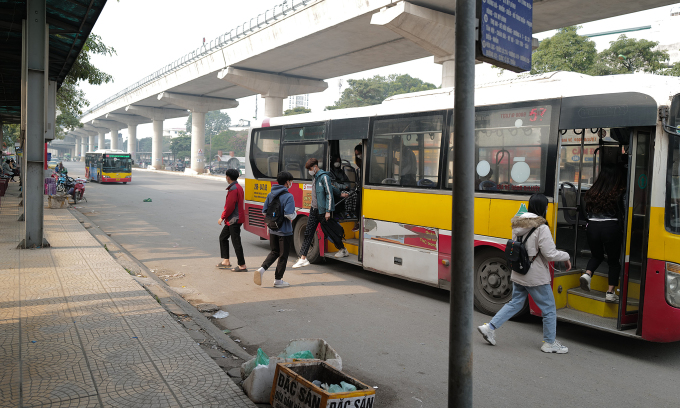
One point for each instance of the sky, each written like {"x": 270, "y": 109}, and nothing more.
{"x": 149, "y": 34}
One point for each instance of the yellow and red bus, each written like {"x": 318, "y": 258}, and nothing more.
{"x": 108, "y": 166}
{"x": 544, "y": 134}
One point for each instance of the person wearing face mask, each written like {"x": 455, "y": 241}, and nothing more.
{"x": 323, "y": 203}
{"x": 281, "y": 240}
{"x": 358, "y": 160}
{"x": 341, "y": 182}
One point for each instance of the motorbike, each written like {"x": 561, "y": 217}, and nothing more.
{"x": 78, "y": 190}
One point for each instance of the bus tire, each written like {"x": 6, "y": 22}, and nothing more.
{"x": 493, "y": 287}
{"x": 313, "y": 255}
{"x": 125, "y": 182}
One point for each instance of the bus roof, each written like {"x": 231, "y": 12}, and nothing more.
{"x": 117, "y": 151}
{"x": 551, "y": 85}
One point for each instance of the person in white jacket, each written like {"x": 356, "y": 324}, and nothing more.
{"x": 541, "y": 248}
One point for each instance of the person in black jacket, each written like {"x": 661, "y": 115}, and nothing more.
{"x": 340, "y": 181}
{"x": 603, "y": 207}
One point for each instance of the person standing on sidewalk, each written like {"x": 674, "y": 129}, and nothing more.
{"x": 322, "y": 203}
{"x": 541, "y": 248}
{"x": 234, "y": 215}
{"x": 281, "y": 240}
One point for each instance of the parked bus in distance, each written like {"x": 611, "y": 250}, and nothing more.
{"x": 548, "y": 134}
{"x": 108, "y": 166}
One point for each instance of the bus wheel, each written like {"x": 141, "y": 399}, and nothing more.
{"x": 125, "y": 182}
{"x": 313, "y": 255}
{"x": 493, "y": 287}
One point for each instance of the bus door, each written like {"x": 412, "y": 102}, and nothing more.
{"x": 640, "y": 159}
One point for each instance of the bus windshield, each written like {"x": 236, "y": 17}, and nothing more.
{"x": 113, "y": 164}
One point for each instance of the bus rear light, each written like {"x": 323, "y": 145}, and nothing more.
{"x": 673, "y": 284}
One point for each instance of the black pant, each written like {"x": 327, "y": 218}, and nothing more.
{"x": 233, "y": 231}
{"x": 605, "y": 237}
{"x": 280, "y": 248}
{"x": 312, "y": 222}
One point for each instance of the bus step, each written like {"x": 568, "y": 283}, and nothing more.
{"x": 351, "y": 259}
{"x": 590, "y": 320}
{"x": 351, "y": 241}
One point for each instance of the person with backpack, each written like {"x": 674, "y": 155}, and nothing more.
{"x": 322, "y": 203}
{"x": 279, "y": 211}
{"x": 234, "y": 215}
{"x": 531, "y": 237}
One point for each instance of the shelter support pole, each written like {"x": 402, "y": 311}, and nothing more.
{"x": 197, "y": 141}
{"x": 462, "y": 240}
{"x": 36, "y": 51}
{"x": 157, "y": 144}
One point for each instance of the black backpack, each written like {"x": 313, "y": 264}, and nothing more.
{"x": 517, "y": 256}
{"x": 274, "y": 216}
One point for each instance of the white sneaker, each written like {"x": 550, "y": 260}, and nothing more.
{"x": 585, "y": 282}
{"x": 488, "y": 333}
{"x": 555, "y": 347}
{"x": 342, "y": 253}
{"x": 300, "y": 263}
{"x": 257, "y": 276}
{"x": 611, "y": 297}
{"x": 281, "y": 284}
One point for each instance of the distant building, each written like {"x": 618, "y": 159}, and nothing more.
{"x": 173, "y": 132}
{"x": 298, "y": 100}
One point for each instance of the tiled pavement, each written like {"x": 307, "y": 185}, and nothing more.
{"x": 77, "y": 331}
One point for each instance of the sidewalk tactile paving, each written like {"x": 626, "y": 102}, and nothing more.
{"x": 77, "y": 331}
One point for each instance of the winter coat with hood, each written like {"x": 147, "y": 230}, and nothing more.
{"x": 325, "y": 191}
{"x": 541, "y": 238}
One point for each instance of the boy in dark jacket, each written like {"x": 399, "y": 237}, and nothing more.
{"x": 281, "y": 240}
{"x": 234, "y": 215}
{"x": 323, "y": 204}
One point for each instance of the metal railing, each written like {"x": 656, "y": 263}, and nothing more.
{"x": 222, "y": 41}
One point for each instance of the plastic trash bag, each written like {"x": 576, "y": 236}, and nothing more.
{"x": 346, "y": 387}
{"x": 302, "y": 355}
{"x": 343, "y": 387}
{"x": 262, "y": 358}
{"x": 221, "y": 314}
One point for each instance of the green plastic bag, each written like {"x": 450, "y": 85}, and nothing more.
{"x": 262, "y": 358}
{"x": 302, "y": 355}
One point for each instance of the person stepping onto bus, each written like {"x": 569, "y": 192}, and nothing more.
{"x": 603, "y": 207}
{"x": 541, "y": 248}
{"x": 322, "y": 203}
{"x": 280, "y": 240}
{"x": 234, "y": 215}
{"x": 358, "y": 160}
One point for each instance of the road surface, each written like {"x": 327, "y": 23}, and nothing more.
{"x": 390, "y": 333}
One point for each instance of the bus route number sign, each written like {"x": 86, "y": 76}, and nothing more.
{"x": 505, "y": 29}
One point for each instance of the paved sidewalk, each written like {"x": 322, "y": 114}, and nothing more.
{"x": 77, "y": 330}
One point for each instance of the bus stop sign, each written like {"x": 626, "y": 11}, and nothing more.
{"x": 505, "y": 33}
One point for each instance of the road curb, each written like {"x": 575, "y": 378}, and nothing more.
{"x": 176, "y": 173}
{"x": 165, "y": 292}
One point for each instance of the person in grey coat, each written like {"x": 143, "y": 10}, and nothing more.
{"x": 536, "y": 282}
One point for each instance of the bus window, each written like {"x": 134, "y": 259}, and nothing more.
{"x": 296, "y": 155}
{"x": 511, "y": 149}
{"x": 265, "y": 152}
{"x": 116, "y": 165}
{"x": 406, "y": 151}
{"x": 673, "y": 186}
{"x": 300, "y": 134}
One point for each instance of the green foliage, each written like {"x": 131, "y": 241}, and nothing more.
{"x": 229, "y": 141}
{"x": 215, "y": 123}
{"x": 569, "y": 51}
{"x": 565, "y": 51}
{"x": 372, "y": 91}
{"x": 296, "y": 111}
{"x": 10, "y": 134}
{"x": 70, "y": 98}
{"x": 181, "y": 147}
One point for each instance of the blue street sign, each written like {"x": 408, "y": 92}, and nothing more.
{"x": 505, "y": 33}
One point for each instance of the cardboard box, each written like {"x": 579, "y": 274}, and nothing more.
{"x": 293, "y": 387}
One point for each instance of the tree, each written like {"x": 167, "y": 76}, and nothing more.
{"x": 215, "y": 123}
{"x": 372, "y": 91}
{"x": 181, "y": 147}
{"x": 296, "y": 111}
{"x": 70, "y": 98}
{"x": 10, "y": 135}
{"x": 565, "y": 51}
{"x": 237, "y": 144}
{"x": 627, "y": 55}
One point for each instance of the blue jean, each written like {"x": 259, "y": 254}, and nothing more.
{"x": 543, "y": 296}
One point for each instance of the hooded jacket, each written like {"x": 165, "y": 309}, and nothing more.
{"x": 288, "y": 203}
{"x": 539, "y": 273}
{"x": 324, "y": 192}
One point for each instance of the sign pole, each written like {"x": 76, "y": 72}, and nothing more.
{"x": 462, "y": 225}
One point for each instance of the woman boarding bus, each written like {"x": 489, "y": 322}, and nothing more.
{"x": 549, "y": 134}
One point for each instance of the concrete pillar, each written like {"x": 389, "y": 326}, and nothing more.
{"x": 157, "y": 144}
{"x": 274, "y": 88}
{"x": 447, "y": 73}
{"x": 76, "y": 149}
{"x": 273, "y": 106}
{"x": 114, "y": 139}
{"x": 132, "y": 141}
{"x": 35, "y": 52}
{"x": 197, "y": 141}
{"x": 101, "y": 142}
{"x": 90, "y": 148}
